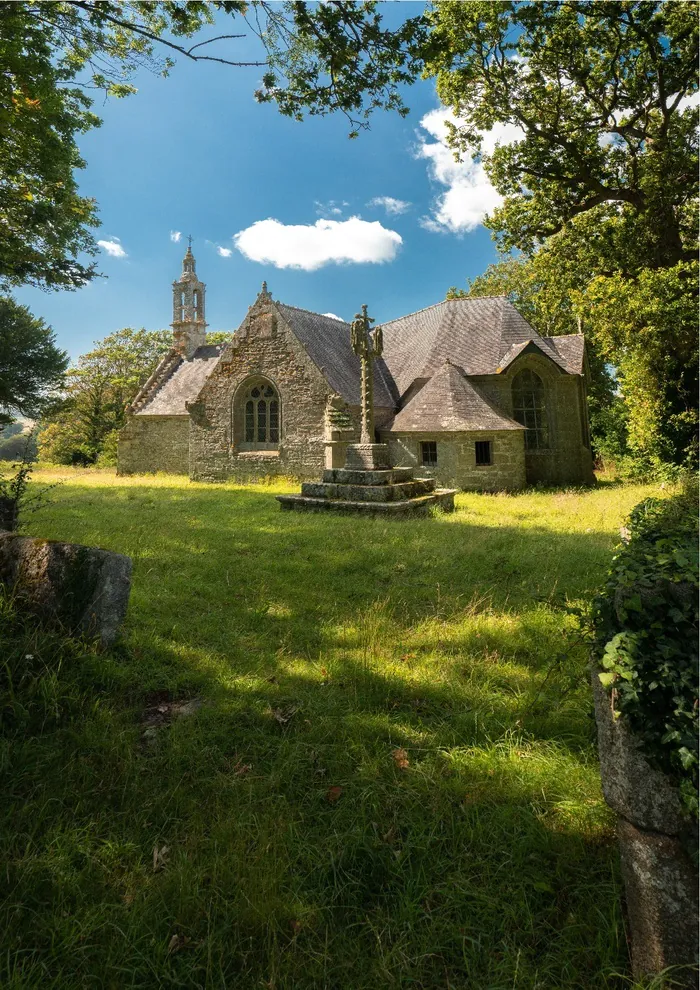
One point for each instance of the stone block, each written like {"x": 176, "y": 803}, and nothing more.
{"x": 631, "y": 787}
{"x": 367, "y": 456}
{"x": 661, "y": 887}
{"x": 83, "y": 589}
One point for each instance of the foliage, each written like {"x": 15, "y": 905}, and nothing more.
{"x": 648, "y": 327}
{"x": 645, "y": 623}
{"x": 31, "y": 365}
{"x": 16, "y": 498}
{"x": 53, "y": 54}
{"x": 594, "y": 93}
{"x": 99, "y": 388}
{"x": 13, "y": 446}
{"x": 338, "y": 57}
{"x": 352, "y": 640}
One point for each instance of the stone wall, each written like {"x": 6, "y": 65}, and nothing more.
{"x": 456, "y": 459}
{"x": 265, "y": 347}
{"x": 568, "y": 460}
{"x": 154, "y": 443}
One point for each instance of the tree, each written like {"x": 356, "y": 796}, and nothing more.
{"x": 98, "y": 390}
{"x": 52, "y": 54}
{"x": 595, "y": 95}
{"x": 31, "y": 365}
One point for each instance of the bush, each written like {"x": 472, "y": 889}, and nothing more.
{"x": 645, "y": 624}
{"x": 16, "y": 446}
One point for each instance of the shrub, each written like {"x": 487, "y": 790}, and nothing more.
{"x": 645, "y": 624}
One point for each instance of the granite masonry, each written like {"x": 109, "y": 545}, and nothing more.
{"x": 465, "y": 391}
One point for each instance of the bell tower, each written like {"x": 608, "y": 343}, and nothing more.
{"x": 189, "y": 326}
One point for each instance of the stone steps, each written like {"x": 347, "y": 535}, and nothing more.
{"x": 392, "y": 492}
{"x": 355, "y": 476}
{"x": 418, "y": 506}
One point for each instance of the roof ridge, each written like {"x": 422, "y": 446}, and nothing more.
{"x": 312, "y": 312}
{"x": 417, "y": 311}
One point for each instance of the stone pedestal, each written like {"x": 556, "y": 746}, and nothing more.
{"x": 367, "y": 457}
{"x": 661, "y": 882}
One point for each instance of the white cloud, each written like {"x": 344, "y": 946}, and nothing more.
{"x": 311, "y": 246}
{"x": 113, "y": 248}
{"x": 333, "y": 208}
{"x": 334, "y": 317}
{"x": 391, "y": 205}
{"x": 175, "y": 236}
{"x": 225, "y": 252}
{"x": 469, "y": 195}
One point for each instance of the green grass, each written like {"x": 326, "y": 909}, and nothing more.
{"x": 318, "y": 646}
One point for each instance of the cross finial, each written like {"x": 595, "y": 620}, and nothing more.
{"x": 189, "y": 241}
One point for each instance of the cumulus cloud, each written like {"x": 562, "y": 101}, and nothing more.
{"x": 391, "y": 205}
{"x": 175, "y": 235}
{"x": 113, "y": 248}
{"x": 311, "y": 246}
{"x": 469, "y": 195}
{"x": 225, "y": 252}
{"x": 334, "y": 317}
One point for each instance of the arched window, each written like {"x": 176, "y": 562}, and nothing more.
{"x": 261, "y": 416}
{"x": 183, "y": 313}
{"x": 529, "y": 408}
{"x": 195, "y": 305}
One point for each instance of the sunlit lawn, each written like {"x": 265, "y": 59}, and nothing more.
{"x": 304, "y": 848}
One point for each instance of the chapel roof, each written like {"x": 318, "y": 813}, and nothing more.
{"x": 474, "y": 333}
{"x": 182, "y": 384}
{"x": 450, "y": 402}
{"x": 327, "y": 342}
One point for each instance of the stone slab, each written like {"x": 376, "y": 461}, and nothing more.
{"x": 441, "y": 498}
{"x": 385, "y": 476}
{"x": 369, "y": 493}
{"x": 661, "y": 888}
{"x": 83, "y": 589}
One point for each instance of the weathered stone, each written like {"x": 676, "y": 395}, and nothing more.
{"x": 661, "y": 882}
{"x": 661, "y": 887}
{"x": 84, "y": 589}
{"x": 632, "y": 788}
{"x": 367, "y": 456}
{"x": 419, "y": 506}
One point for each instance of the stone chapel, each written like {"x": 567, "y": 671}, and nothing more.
{"x": 466, "y": 391}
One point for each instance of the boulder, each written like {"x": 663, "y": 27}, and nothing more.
{"x": 661, "y": 881}
{"x": 83, "y": 589}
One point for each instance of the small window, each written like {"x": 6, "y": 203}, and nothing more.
{"x": 428, "y": 453}
{"x": 484, "y": 455}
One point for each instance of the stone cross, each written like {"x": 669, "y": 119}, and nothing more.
{"x": 367, "y": 344}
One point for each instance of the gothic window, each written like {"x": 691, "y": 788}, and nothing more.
{"x": 529, "y": 408}
{"x": 261, "y": 416}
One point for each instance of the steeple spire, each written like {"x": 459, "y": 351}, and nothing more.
{"x": 189, "y": 325}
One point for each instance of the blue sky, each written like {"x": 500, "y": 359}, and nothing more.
{"x": 195, "y": 153}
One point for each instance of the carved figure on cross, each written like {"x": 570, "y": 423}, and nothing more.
{"x": 367, "y": 344}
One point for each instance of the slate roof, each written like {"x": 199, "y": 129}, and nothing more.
{"x": 183, "y": 384}
{"x": 450, "y": 402}
{"x": 327, "y": 342}
{"x": 473, "y": 333}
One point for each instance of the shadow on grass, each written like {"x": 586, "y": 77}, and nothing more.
{"x": 303, "y": 848}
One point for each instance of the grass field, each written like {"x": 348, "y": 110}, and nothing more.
{"x": 390, "y": 780}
